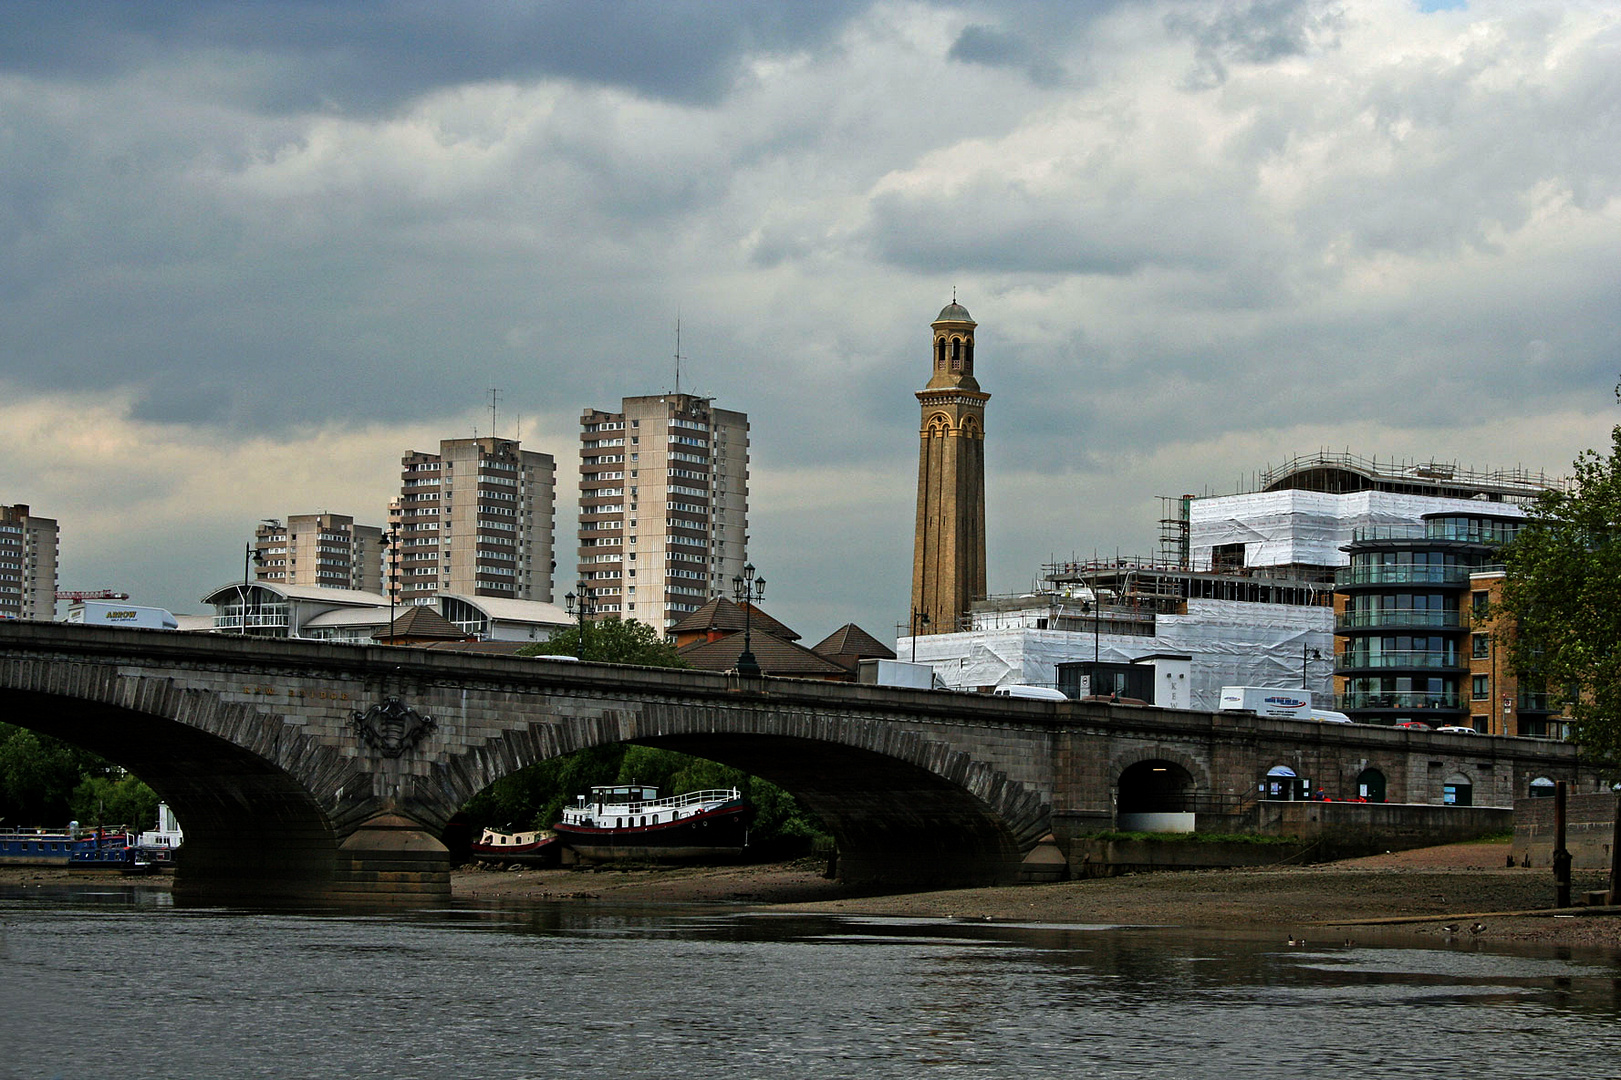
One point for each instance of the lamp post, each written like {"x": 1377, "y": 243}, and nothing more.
{"x": 390, "y": 540}
{"x": 249, "y": 556}
{"x": 581, "y": 606}
{"x": 746, "y": 590}
{"x": 1307, "y": 654}
{"x": 918, "y": 619}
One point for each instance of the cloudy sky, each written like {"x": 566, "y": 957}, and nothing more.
{"x": 254, "y": 252}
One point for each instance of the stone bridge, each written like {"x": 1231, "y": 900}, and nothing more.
{"x": 309, "y": 772}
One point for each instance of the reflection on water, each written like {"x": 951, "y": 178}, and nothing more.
{"x": 139, "y": 988}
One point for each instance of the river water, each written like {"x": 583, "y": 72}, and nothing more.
{"x": 116, "y": 982}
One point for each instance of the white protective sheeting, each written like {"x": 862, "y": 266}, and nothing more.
{"x": 1278, "y": 528}
{"x": 1232, "y": 643}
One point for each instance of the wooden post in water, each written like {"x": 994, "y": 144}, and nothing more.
{"x": 1561, "y": 856}
{"x": 1615, "y": 855}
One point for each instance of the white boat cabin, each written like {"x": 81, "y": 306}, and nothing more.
{"x": 631, "y": 806}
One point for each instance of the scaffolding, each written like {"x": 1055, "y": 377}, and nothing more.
{"x": 1175, "y": 532}
{"x": 1335, "y": 473}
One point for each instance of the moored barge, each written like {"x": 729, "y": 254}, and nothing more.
{"x": 631, "y": 821}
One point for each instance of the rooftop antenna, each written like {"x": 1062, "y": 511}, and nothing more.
{"x": 495, "y": 397}
{"x": 678, "y": 351}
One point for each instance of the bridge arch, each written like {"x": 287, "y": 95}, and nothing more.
{"x": 1157, "y": 789}
{"x": 901, "y": 806}
{"x": 243, "y": 783}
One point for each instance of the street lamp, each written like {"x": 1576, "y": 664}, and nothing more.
{"x": 249, "y": 556}
{"x": 918, "y": 619}
{"x": 583, "y": 605}
{"x": 746, "y": 590}
{"x": 391, "y": 540}
{"x": 1307, "y": 654}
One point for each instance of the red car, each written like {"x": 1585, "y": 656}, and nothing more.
{"x": 1419, "y": 724}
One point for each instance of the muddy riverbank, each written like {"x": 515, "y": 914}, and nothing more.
{"x": 1466, "y": 886}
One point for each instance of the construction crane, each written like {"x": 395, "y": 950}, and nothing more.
{"x": 91, "y": 594}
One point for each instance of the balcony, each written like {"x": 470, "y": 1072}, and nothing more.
{"x": 1398, "y": 618}
{"x": 1399, "y": 700}
{"x": 1401, "y": 574}
{"x": 1411, "y": 659}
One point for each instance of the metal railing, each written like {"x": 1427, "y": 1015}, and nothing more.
{"x": 1361, "y": 620}
{"x": 1397, "y": 658}
{"x": 676, "y": 802}
{"x": 1398, "y": 699}
{"x": 1402, "y": 574}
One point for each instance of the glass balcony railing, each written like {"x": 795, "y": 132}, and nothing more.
{"x": 1394, "y": 658}
{"x": 1387, "y": 532}
{"x": 1495, "y": 533}
{"x": 1416, "y": 700}
{"x": 1426, "y": 617}
{"x": 1402, "y": 574}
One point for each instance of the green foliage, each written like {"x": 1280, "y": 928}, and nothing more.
{"x": 611, "y": 641}
{"x": 1561, "y": 590}
{"x": 39, "y": 774}
{"x": 101, "y": 800}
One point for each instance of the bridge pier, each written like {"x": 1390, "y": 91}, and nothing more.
{"x": 389, "y": 861}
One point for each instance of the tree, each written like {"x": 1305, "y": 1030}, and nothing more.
{"x": 40, "y": 777}
{"x": 101, "y": 800}
{"x": 611, "y": 641}
{"x": 1562, "y": 593}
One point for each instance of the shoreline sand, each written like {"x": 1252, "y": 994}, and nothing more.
{"x": 1417, "y": 893}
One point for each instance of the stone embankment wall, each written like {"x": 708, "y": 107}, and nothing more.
{"x": 1340, "y": 830}
{"x": 1589, "y": 831}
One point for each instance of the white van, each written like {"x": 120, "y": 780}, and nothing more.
{"x": 1329, "y": 716}
{"x": 1040, "y": 693}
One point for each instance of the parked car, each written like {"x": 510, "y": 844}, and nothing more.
{"x": 1455, "y": 729}
{"x": 1417, "y": 724}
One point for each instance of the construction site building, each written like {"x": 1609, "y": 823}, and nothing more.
{"x": 1245, "y": 584}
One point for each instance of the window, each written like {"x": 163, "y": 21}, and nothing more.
{"x": 1481, "y": 601}
{"x": 1480, "y": 691}
{"x": 1482, "y": 646}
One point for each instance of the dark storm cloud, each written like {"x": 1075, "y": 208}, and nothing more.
{"x": 1256, "y": 32}
{"x": 368, "y": 58}
{"x": 987, "y": 45}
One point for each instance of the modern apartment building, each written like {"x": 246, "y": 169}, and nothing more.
{"x": 664, "y": 499}
{"x": 476, "y": 519}
{"x": 28, "y": 555}
{"x": 325, "y": 550}
{"x": 1404, "y": 615}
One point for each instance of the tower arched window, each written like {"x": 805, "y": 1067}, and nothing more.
{"x": 939, "y": 354}
{"x": 970, "y": 350}
{"x": 956, "y": 354}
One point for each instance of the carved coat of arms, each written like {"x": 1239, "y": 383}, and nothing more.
{"x": 392, "y": 726}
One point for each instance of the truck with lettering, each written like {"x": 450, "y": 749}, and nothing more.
{"x": 1283, "y": 704}
{"x": 103, "y": 613}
